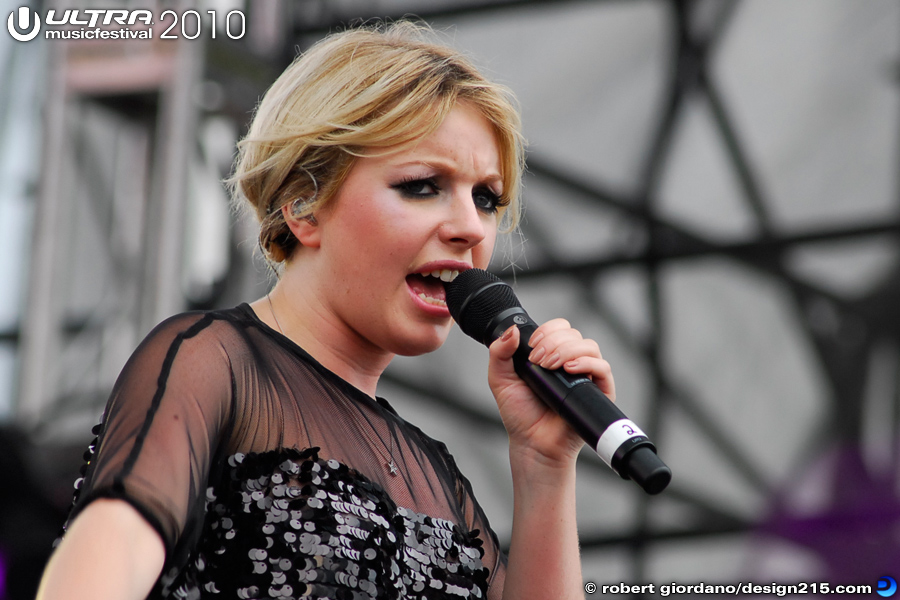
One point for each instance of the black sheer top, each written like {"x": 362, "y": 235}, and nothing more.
{"x": 268, "y": 476}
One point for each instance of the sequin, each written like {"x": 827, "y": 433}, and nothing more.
{"x": 317, "y": 529}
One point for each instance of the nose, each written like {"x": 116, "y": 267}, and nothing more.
{"x": 465, "y": 225}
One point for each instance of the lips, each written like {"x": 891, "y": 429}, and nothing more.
{"x": 428, "y": 288}
{"x": 428, "y": 285}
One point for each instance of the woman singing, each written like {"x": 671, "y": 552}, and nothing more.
{"x": 243, "y": 452}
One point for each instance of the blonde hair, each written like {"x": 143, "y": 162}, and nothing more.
{"x": 358, "y": 93}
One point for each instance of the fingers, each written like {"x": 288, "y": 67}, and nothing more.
{"x": 501, "y": 371}
{"x": 552, "y": 353}
{"x": 555, "y": 342}
{"x": 505, "y": 346}
{"x": 597, "y": 369}
{"x": 556, "y": 345}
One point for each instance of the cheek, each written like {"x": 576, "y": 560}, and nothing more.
{"x": 400, "y": 229}
{"x": 363, "y": 225}
{"x": 380, "y": 238}
{"x": 380, "y": 213}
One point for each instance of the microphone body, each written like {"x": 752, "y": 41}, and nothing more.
{"x": 485, "y": 307}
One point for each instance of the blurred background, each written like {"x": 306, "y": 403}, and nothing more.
{"x": 712, "y": 195}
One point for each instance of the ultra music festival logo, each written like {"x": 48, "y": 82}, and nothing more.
{"x": 25, "y": 24}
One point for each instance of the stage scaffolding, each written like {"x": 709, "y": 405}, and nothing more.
{"x": 125, "y": 159}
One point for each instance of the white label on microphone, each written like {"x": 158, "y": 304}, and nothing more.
{"x": 618, "y": 432}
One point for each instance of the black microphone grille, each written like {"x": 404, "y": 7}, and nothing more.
{"x": 475, "y": 297}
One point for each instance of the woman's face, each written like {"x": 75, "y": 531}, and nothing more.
{"x": 398, "y": 219}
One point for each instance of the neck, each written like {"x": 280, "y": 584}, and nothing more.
{"x": 296, "y": 312}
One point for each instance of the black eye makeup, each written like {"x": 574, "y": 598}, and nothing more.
{"x": 417, "y": 187}
{"x": 487, "y": 200}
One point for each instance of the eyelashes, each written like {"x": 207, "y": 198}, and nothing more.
{"x": 415, "y": 188}
{"x": 487, "y": 200}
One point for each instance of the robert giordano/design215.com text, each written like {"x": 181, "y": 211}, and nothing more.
{"x": 775, "y": 589}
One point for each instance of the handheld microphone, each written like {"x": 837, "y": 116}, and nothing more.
{"x": 484, "y": 307}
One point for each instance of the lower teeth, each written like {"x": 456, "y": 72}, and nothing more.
{"x": 430, "y": 300}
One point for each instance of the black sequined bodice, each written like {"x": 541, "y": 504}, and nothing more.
{"x": 287, "y": 524}
{"x": 267, "y": 476}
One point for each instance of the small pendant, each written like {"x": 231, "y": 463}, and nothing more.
{"x": 392, "y": 467}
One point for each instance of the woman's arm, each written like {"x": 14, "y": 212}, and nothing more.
{"x": 109, "y": 551}
{"x": 160, "y": 429}
{"x": 544, "y": 559}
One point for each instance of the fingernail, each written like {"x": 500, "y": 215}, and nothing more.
{"x": 572, "y": 364}
{"x": 507, "y": 334}
{"x": 551, "y": 360}
{"x": 535, "y": 339}
{"x": 537, "y": 354}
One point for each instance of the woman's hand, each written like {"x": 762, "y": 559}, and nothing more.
{"x": 543, "y": 555}
{"x": 534, "y": 428}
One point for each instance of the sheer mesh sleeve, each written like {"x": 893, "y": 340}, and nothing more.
{"x": 162, "y": 425}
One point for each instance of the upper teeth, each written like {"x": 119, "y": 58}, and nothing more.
{"x": 443, "y": 274}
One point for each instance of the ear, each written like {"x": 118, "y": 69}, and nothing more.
{"x": 305, "y": 229}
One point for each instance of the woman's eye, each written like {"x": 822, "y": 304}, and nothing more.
{"x": 486, "y": 200}
{"x": 418, "y": 188}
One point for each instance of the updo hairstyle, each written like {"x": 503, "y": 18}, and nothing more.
{"x": 361, "y": 92}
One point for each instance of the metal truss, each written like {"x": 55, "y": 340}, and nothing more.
{"x": 693, "y": 43}
{"x": 842, "y": 354}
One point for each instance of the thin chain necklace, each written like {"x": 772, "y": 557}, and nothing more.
{"x": 274, "y": 316}
{"x": 390, "y": 464}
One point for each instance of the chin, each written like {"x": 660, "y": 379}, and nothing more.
{"x": 423, "y": 344}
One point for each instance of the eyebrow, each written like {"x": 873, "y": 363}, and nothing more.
{"x": 444, "y": 165}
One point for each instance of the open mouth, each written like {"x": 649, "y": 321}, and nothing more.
{"x": 430, "y": 286}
